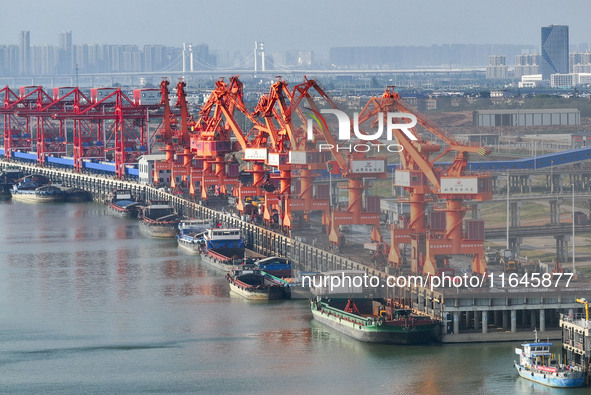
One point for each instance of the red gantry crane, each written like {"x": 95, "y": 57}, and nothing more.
{"x": 167, "y": 135}
{"x": 113, "y": 127}
{"x": 211, "y": 141}
{"x": 18, "y": 130}
{"x": 289, "y": 156}
{"x": 262, "y": 143}
{"x": 354, "y": 166}
{"x": 34, "y": 110}
{"x": 266, "y": 147}
{"x": 425, "y": 181}
{"x": 178, "y": 160}
{"x": 274, "y": 143}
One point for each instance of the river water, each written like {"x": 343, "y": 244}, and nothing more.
{"x": 89, "y": 305}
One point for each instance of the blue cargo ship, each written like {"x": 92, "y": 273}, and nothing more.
{"x": 536, "y": 364}
{"x": 222, "y": 248}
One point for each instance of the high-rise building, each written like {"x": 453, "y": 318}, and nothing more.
{"x": 132, "y": 59}
{"x": 65, "y": 40}
{"x": 154, "y": 57}
{"x": 203, "y": 60}
{"x": 554, "y": 58}
{"x": 497, "y": 67}
{"x": 580, "y": 62}
{"x": 43, "y": 60}
{"x": 10, "y": 56}
{"x": 66, "y": 53}
{"x": 527, "y": 65}
{"x": 24, "y": 52}
{"x": 305, "y": 58}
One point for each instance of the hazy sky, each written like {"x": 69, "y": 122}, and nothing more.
{"x": 307, "y": 24}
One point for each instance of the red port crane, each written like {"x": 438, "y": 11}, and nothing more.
{"x": 210, "y": 141}
{"x": 17, "y": 131}
{"x": 354, "y": 167}
{"x": 113, "y": 127}
{"x": 425, "y": 180}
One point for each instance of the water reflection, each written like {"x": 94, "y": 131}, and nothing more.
{"x": 119, "y": 312}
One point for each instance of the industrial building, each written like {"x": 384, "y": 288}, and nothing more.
{"x": 532, "y": 81}
{"x": 581, "y": 139}
{"x": 527, "y": 117}
{"x": 483, "y": 139}
{"x": 576, "y": 339}
{"x": 569, "y": 80}
{"x": 146, "y": 169}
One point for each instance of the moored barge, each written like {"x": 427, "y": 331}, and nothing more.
{"x": 222, "y": 248}
{"x": 190, "y": 234}
{"x": 35, "y": 189}
{"x": 159, "y": 219}
{"x": 536, "y": 364}
{"x": 121, "y": 202}
{"x": 375, "y": 320}
{"x": 251, "y": 283}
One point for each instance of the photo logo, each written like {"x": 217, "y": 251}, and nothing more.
{"x": 345, "y": 124}
{"x": 344, "y": 134}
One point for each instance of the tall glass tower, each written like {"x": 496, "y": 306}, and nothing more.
{"x": 554, "y": 50}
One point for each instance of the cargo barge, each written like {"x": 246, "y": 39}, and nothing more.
{"x": 375, "y": 320}
{"x": 222, "y": 248}
{"x": 122, "y": 203}
{"x": 5, "y": 189}
{"x": 159, "y": 219}
{"x": 191, "y": 232}
{"x": 77, "y": 195}
{"x": 7, "y": 179}
{"x": 251, "y": 283}
{"x": 36, "y": 189}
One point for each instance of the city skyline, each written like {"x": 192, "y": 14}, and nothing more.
{"x": 291, "y": 26}
{"x": 67, "y": 58}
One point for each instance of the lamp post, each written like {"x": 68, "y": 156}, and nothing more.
{"x": 551, "y": 176}
{"x": 535, "y": 153}
{"x": 573, "y": 204}
{"x": 330, "y": 191}
{"x": 393, "y": 184}
{"x": 507, "y": 210}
